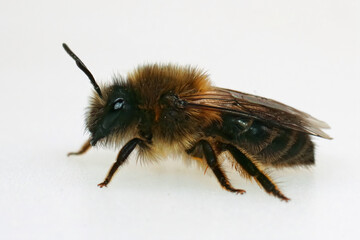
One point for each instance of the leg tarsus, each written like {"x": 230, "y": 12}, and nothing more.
{"x": 85, "y": 147}
{"x": 270, "y": 187}
{"x": 103, "y": 184}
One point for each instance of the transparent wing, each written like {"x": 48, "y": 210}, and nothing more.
{"x": 263, "y": 109}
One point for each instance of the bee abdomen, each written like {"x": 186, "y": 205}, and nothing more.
{"x": 300, "y": 153}
{"x": 289, "y": 148}
{"x": 270, "y": 145}
{"x": 278, "y": 147}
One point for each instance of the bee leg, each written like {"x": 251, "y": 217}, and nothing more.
{"x": 213, "y": 163}
{"x": 82, "y": 150}
{"x": 255, "y": 172}
{"x": 121, "y": 158}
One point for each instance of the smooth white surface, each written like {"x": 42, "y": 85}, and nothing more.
{"x": 303, "y": 53}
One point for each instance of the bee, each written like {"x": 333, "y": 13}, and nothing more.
{"x": 162, "y": 109}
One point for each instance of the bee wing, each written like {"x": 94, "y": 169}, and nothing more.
{"x": 263, "y": 109}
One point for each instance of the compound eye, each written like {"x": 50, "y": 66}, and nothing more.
{"x": 118, "y": 104}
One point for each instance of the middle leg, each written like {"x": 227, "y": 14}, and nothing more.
{"x": 213, "y": 163}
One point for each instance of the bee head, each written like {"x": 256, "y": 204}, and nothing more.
{"x": 111, "y": 110}
{"x": 111, "y": 114}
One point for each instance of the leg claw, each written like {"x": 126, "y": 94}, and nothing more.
{"x": 240, "y": 191}
{"x": 103, "y": 184}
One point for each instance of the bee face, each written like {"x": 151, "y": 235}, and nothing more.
{"x": 111, "y": 114}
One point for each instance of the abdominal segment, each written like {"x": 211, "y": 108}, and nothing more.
{"x": 268, "y": 144}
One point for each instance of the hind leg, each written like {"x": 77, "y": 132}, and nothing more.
{"x": 255, "y": 172}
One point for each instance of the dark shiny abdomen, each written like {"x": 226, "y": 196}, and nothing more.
{"x": 268, "y": 144}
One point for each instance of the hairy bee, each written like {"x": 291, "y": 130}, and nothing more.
{"x": 167, "y": 108}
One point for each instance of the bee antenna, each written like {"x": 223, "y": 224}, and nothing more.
{"x": 83, "y": 68}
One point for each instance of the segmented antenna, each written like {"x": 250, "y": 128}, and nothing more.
{"x": 83, "y": 68}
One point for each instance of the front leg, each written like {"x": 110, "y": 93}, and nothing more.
{"x": 121, "y": 158}
{"x": 82, "y": 150}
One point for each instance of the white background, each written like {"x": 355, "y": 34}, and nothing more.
{"x": 304, "y": 53}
